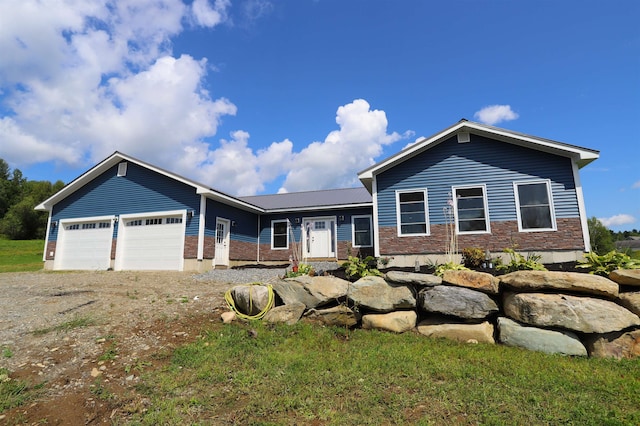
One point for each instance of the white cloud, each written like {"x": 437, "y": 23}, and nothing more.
{"x": 81, "y": 79}
{"x": 208, "y": 16}
{"x": 636, "y": 185}
{"x": 617, "y": 220}
{"x": 494, "y": 114}
{"x": 334, "y": 162}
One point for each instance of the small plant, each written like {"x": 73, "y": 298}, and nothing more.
{"x": 519, "y": 262}
{"x": 449, "y": 266}
{"x": 138, "y": 366}
{"x": 110, "y": 354}
{"x": 606, "y": 263}
{"x": 384, "y": 261}
{"x": 302, "y": 269}
{"x": 76, "y": 322}
{"x": 7, "y": 352}
{"x": 356, "y": 267}
{"x": 473, "y": 257}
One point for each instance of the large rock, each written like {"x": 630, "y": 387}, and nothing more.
{"x": 339, "y": 315}
{"x": 413, "y": 278}
{"x": 326, "y": 289}
{"x": 537, "y": 339}
{"x": 626, "y": 276}
{"x": 561, "y": 281}
{"x": 457, "y": 301}
{"x": 376, "y": 294}
{"x": 288, "y": 314}
{"x": 460, "y": 332}
{"x": 398, "y": 321}
{"x": 480, "y": 281}
{"x": 293, "y": 292}
{"x": 614, "y": 345}
{"x": 250, "y": 299}
{"x": 631, "y": 301}
{"x": 584, "y": 314}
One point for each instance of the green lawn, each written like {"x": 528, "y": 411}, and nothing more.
{"x": 327, "y": 376}
{"x": 21, "y": 255}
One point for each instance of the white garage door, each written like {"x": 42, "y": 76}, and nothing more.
{"x": 84, "y": 245}
{"x": 150, "y": 243}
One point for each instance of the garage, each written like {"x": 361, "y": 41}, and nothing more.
{"x": 151, "y": 242}
{"x": 84, "y": 244}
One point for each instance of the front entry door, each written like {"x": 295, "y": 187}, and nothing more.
{"x": 319, "y": 237}
{"x": 222, "y": 242}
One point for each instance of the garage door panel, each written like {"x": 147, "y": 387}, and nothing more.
{"x": 81, "y": 246}
{"x": 151, "y": 244}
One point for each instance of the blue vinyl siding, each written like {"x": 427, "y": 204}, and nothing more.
{"x": 481, "y": 161}
{"x": 344, "y": 226}
{"x": 141, "y": 190}
{"x": 246, "y": 223}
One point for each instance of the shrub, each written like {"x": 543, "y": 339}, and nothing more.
{"x": 520, "y": 263}
{"x": 472, "y": 257}
{"x": 604, "y": 264}
{"x": 303, "y": 269}
{"x": 449, "y": 266}
{"x": 356, "y": 267}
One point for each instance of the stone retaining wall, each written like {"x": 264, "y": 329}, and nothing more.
{"x": 555, "y": 312}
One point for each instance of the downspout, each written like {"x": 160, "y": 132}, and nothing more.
{"x": 376, "y": 234}
{"x": 258, "y": 239}
{"x": 581, "y": 207}
{"x": 46, "y": 237}
{"x": 201, "y": 226}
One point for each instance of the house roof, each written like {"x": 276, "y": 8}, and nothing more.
{"x": 118, "y": 157}
{"x": 312, "y": 200}
{"x": 582, "y": 156}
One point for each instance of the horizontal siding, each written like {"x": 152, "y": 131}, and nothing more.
{"x": 140, "y": 191}
{"x": 344, "y": 226}
{"x": 481, "y": 161}
{"x": 246, "y": 223}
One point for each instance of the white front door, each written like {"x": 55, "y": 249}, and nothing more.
{"x": 319, "y": 237}
{"x": 222, "y": 242}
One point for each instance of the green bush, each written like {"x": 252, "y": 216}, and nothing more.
{"x": 449, "y": 266}
{"x": 519, "y": 262}
{"x": 472, "y": 257}
{"x": 303, "y": 269}
{"x": 604, "y": 264}
{"x": 356, "y": 267}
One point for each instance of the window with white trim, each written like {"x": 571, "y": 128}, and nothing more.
{"x": 412, "y": 212}
{"x": 361, "y": 227}
{"x": 470, "y": 207}
{"x": 280, "y": 234}
{"x": 534, "y": 206}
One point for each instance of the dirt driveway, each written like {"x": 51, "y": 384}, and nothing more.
{"x": 78, "y": 332}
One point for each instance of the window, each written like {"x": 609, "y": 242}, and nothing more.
{"x": 534, "y": 206}
{"x": 470, "y": 209}
{"x": 137, "y": 222}
{"x": 412, "y": 216}
{"x": 103, "y": 225}
{"x": 174, "y": 220}
{"x": 153, "y": 221}
{"x": 361, "y": 226}
{"x": 88, "y": 226}
{"x": 73, "y": 227}
{"x": 279, "y": 234}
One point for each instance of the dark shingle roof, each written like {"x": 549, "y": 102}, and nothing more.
{"x": 347, "y": 197}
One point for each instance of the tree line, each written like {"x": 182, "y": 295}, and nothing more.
{"x": 18, "y": 197}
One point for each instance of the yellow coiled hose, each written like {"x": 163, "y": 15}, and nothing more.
{"x": 232, "y": 304}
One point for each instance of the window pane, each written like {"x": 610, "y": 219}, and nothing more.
{"x": 412, "y": 207}
{"x": 280, "y": 227}
{"x": 471, "y": 203}
{"x": 412, "y": 217}
{"x": 280, "y": 241}
{"x": 411, "y": 196}
{"x": 414, "y": 229}
{"x": 472, "y": 225}
{"x": 469, "y": 192}
{"x": 361, "y": 224}
{"x": 471, "y": 214}
{"x": 363, "y": 239}
{"x": 535, "y": 217}
{"x": 533, "y": 194}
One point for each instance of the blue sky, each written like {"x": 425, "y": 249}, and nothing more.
{"x": 260, "y": 96}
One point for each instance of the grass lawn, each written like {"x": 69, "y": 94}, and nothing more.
{"x": 21, "y": 255}
{"x": 327, "y": 376}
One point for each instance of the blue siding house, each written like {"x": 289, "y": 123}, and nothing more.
{"x": 485, "y": 186}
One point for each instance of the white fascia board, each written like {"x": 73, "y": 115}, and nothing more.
{"x": 228, "y": 199}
